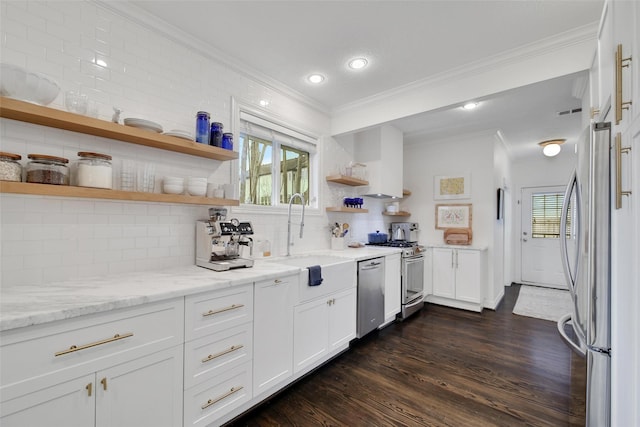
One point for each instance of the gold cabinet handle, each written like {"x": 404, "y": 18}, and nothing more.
{"x": 222, "y": 310}
{"x": 224, "y": 396}
{"x": 620, "y": 64}
{"x": 74, "y": 348}
{"x": 104, "y": 383}
{"x": 89, "y": 389}
{"x": 231, "y": 349}
{"x": 619, "y": 150}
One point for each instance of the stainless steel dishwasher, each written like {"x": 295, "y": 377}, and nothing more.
{"x": 370, "y": 295}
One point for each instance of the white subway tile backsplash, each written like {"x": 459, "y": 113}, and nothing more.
{"x": 148, "y": 76}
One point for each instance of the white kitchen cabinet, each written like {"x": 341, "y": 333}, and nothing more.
{"x": 66, "y": 404}
{"x": 392, "y": 287}
{"x": 143, "y": 392}
{"x": 273, "y": 332}
{"x": 322, "y": 328}
{"x": 458, "y": 277}
{"x": 218, "y": 353}
{"x": 110, "y": 369}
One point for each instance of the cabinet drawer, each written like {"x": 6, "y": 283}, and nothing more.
{"x": 52, "y": 353}
{"x": 215, "y": 311}
{"x": 209, "y": 356}
{"x": 211, "y": 400}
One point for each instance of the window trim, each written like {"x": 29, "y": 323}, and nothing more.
{"x": 240, "y": 109}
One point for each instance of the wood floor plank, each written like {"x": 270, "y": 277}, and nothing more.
{"x": 441, "y": 367}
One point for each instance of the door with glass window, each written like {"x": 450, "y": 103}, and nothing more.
{"x": 540, "y": 237}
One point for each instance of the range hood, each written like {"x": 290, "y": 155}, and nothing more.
{"x": 380, "y": 148}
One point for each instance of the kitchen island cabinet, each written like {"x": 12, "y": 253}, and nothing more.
{"x": 459, "y": 277}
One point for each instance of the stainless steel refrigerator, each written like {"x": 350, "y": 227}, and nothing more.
{"x": 585, "y": 251}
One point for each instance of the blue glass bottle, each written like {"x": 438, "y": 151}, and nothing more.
{"x": 216, "y": 134}
{"x": 202, "y": 127}
{"x": 227, "y": 141}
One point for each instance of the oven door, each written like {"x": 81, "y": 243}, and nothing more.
{"x": 412, "y": 279}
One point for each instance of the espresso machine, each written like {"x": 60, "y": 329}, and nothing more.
{"x": 219, "y": 242}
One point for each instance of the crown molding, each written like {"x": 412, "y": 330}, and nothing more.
{"x": 177, "y": 35}
{"x": 523, "y": 53}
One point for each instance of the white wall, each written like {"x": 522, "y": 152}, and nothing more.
{"x": 472, "y": 153}
{"x": 502, "y": 238}
{"x": 148, "y": 75}
{"x": 539, "y": 171}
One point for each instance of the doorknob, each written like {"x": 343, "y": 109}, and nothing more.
{"x": 524, "y": 240}
{"x": 524, "y": 233}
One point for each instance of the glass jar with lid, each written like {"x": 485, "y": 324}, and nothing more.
{"x": 94, "y": 170}
{"x": 10, "y": 169}
{"x": 216, "y": 134}
{"x": 45, "y": 169}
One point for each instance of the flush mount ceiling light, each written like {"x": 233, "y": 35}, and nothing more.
{"x": 470, "y": 106}
{"x": 358, "y": 63}
{"x": 316, "y": 78}
{"x": 551, "y": 147}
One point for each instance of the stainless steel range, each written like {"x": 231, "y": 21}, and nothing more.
{"x": 412, "y": 275}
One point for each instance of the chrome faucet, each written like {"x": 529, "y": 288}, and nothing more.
{"x": 289, "y": 242}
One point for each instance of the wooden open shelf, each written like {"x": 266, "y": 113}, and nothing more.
{"x": 406, "y": 192}
{"x": 347, "y": 210}
{"x": 347, "y": 180}
{"x": 399, "y": 213}
{"x": 96, "y": 193}
{"x": 45, "y": 116}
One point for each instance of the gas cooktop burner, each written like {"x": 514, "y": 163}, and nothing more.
{"x": 396, "y": 244}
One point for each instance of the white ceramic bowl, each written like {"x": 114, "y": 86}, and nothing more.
{"x": 392, "y": 209}
{"x": 172, "y": 188}
{"x": 197, "y": 191}
{"x": 16, "y": 82}
{"x": 196, "y": 181}
{"x": 172, "y": 180}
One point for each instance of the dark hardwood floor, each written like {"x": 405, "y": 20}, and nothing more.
{"x": 441, "y": 367}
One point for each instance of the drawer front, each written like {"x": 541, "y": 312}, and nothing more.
{"x": 215, "y": 311}
{"x": 210, "y": 401}
{"x": 214, "y": 354}
{"x": 51, "y": 353}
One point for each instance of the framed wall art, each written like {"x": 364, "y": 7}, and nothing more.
{"x": 452, "y": 187}
{"x": 453, "y": 216}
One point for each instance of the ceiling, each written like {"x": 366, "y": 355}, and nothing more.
{"x": 404, "y": 41}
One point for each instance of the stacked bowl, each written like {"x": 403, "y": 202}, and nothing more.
{"x": 173, "y": 185}
{"x": 197, "y": 186}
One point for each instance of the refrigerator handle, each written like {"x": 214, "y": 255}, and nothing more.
{"x": 564, "y": 252}
{"x": 575, "y": 347}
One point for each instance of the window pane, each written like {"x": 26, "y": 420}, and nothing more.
{"x": 294, "y": 171}
{"x": 545, "y": 215}
{"x": 256, "y": 181}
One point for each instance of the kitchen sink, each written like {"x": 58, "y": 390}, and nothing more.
{"x": 338, "y": 273}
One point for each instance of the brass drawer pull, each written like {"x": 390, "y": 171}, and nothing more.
{"x": 619, "y": 150}
{"x": 222, "y": 310}
{"x": 224, "y": 396}
{"x": 74, "y": 348}
{"x": 620, "y": 64}
{"x": 231, "y": 349}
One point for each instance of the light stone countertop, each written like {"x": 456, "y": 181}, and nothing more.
{"x": 22, "y": 306}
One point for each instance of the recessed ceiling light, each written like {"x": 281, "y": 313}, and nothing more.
{"x": 264, "y": 102}
{"x": 358, "y": 63}
{"x": 316, "y": 78}
{"x": 470, "y": 105}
